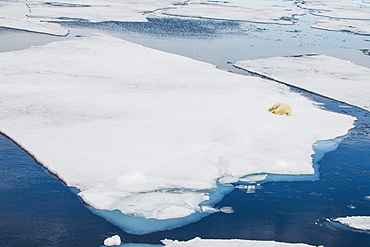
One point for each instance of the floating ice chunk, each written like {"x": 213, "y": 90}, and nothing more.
{"x": 367, "y": 198}
{"x": 198, "y": 242}
{"x": 146, "y": 133}
{"x": 112, "y": 241}
{"x": 336, "y": 9}
{"x": 254, "y": 178}
{"x": 227, "y": 210}
{"x": 33, "y": 25}
{"x": 356, "y": 222}
{"x": 208, "y": 209}
{"x": 328, "y": 76}
{"x": 257, "y": 13}
{"x": 251, "y": 189}
{"x": 351, "y": 26}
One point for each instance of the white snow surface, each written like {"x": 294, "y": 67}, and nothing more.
{"x": 356, "y": 222}
{"x": 33, "y": 25}
{"x": 198, "y": 242}
{"x": 251, "y": 12}
{"x": 112, "y": 241}
{"x": 332, "y": 77}
{"x": 146, "y": 132}
{"x": 351, "y": 26}
{"x": 97, "y": 10}
{"x": 15, "y": 15}
{"x": 129, "y": 10}
{"x": 337, "y": 9}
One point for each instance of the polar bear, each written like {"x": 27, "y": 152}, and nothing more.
{"x": 281, "y": 109}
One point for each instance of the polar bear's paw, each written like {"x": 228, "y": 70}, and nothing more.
{"x": 281, "y": 109}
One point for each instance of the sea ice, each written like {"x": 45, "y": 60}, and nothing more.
{"x": 351, "y": 26}
{"x": 96, "y": 10}
{"x": 336, "y": 9}
{"x": 356, "y": 222}
{"x": 14, "y": 15}
{"x": 33, "y": 25}
{"x": 325, "y": 75}
{"x": 112, "y": 241}
{"x": 148, "y": 133}
{"x": 257, "y": 13}
{"x": 198, "y": 242}
{"x": 254, "y": 178}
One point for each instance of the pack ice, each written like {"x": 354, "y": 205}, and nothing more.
{"x": 148, "y": 133}
{"x": 332, "y": 77}
{"x": 339, "y": 15}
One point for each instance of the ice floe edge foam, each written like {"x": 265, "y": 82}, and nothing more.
{"x": 123, "y": 123}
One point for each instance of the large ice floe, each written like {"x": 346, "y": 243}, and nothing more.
{"x": 228, "y": 243}
{"x": 331, "y": 77}
{"x": 148, "y": 134}
{"x": 355, "y": 222}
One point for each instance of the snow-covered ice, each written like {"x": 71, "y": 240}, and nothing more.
{"x": 351, "y": 26}
{"x": 251, "y": 12}
{"x": 228, "y": 243}
{"x": 15, "y": 15}
{"x": 96, "y": 10}
{"x": 332, "y": 77}
{"x": 33, "y": 25}
{"x": 336, "y": 9}
{"x": 355, "y": 222}
{"x": 112, "y": 241}
{"x": 128, "y": 10}
{"x": 150, "y": 133}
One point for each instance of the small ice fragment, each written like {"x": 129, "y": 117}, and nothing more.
{"x": 227, "y": 210}
{"x": 112, "y": 241}
{"x": 259, "y": 186}
{"x": 251, "y": 189}
{"x": 367, "y": 198}
{"x": 241, "y": 187}
{"x": 209, "y": 209}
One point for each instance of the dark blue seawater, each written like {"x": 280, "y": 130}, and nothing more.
{"x": 37, "y": 209}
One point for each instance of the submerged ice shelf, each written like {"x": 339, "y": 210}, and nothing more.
{"x": 150, "y": 133}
